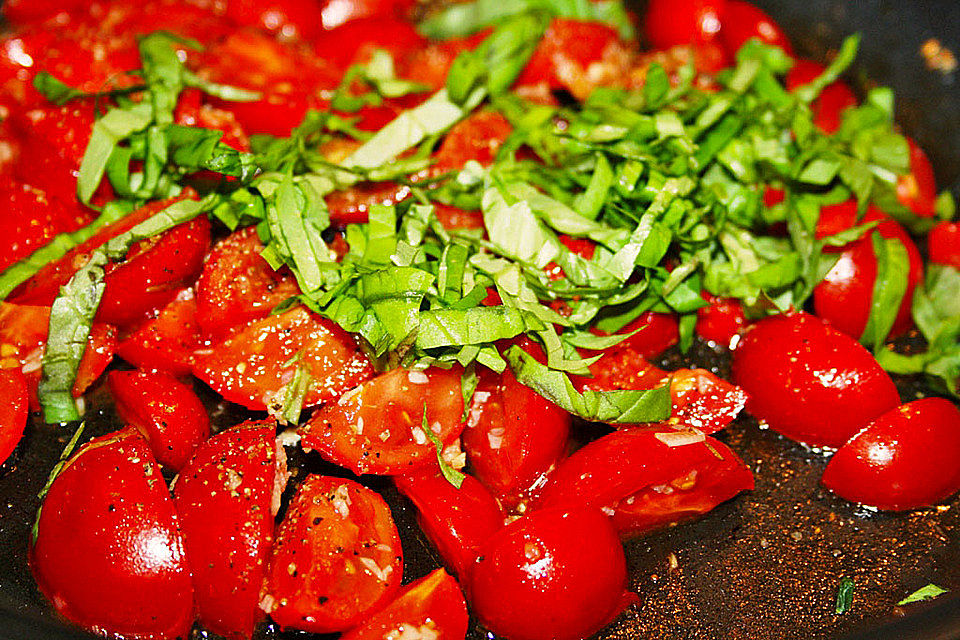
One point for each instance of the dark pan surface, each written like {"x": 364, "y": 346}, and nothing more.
{"x": 765, "y": 565}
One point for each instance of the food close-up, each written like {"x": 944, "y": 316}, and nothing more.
{"x": 533, "y": 320}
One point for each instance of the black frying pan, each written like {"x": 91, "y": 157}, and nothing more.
{"x": 765, "y": 565}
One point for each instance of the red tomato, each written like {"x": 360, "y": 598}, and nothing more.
{"x": 226, "y": 498}
{"x": 456, "y": 521}
{"x": 336, "y": 558}
{"x": 192, "y": 111}
{"x": 829, "y": 106}
{"x": 22, "y": 11}
{"x": 353, "y": 42}
{"x": 32, "y": 218}
{"x": 647, "y": 479}
{"x": 743, "y": 20}
{"x": 237, "y": 285}
{"x": 846, "y": 293}
{"x": 513, "y": 437}
{"x": 165, "y": 343}
{"x": 254, "y": 365}
{"x": 430, "y": 64}
{"x": 566, "y": 51}
{"x": 14, "y": 404}
{"x": 721, "y": 321}
{"x": 378, "y": 426}
{"x": 668, "y": 23}
{"x": 556, "y": 573}
{"x": 905, "y": 459}
{"x": 431, "y": 607}
{"x": 455, "y": 218}
{"x": 108, "y": 553}
{"x": 917, "y": 190}
{"x": 704, "y": 401}
{"x": 619, "y": 369}
{"x": 943, "y": 244}
{"x": 809, "y": 381}
{"x": 167, "y": 412}
{"x": 653, "y": 334}
{"x": 337, "y": 12}
{"x": 352, "y": 205}
{"x": 288, "y": 18}
{"x": 477, "y": 137}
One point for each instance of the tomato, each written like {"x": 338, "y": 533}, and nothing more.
{"x": 32, "y": 219}
{"x": 905, "y": 459}
{"x": 721, "y": 321}
{"x": 809, "y": 381}
{"x": 943, "y": 244}
{"x": 917, "y": 190}
{"x": 237, "y": 286}
{"x": 337, "y": 12}
{"x": 107, "y": 535}
{"x": 288, "y": 18}
{"x": 455, "y": 218}
{"x": 165, "y": 343}
{"x": 555, "y": 573}
{"x": 568, "y": 48}
{"x": 167, "y": 412}
{"x": 378, "y": 426}
{"x": 845, "y": 295}
{"x": 456, "y": 521}
{"x": 14, "y": 405}
{"x": 653, "y": 333}
{"x": 431, "y": 607}
{"x": 646, "y": 479}
{"x": 835, "y": 97}
{"x": 477, "y": 137}
{"x": 668, "y": 23}
{"x": 704, "y": 401}
{"x": 22, "y": 11}
{"x": 430, "y": 64}
{"x": 192, "y": 111}
{"x": 513, "y": 437}
{"x": 255, "y": 364}
{"x": 353, "y": 42}
{"x": 336, "y": 558}
{"x": 226, "y": 498}
{"x": 743, "y": 20}
{"x": 622, "y": 369}
{"x": 352, "y": 205}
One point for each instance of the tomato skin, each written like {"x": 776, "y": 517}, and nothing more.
{"x": 237, "y": 475}
{"x": 917, "y": 190}
{"x": 456, "y": 521}
{"x": 24, "y": 11}
{"x": 165, "y": 343}
{"x": 433, "y": 602}
{"x": 743, "y": 20}
{"x": 377, "y": 427}
{"x": 829, "y": 105}
{"x": 557, "y": 573}
{"x": 249, "y": 367}
{"x": 32, "y": 218}
{"x": 721, "y": 321}
{"x": 288, "y": 18}
{"x": 321, "y": 575}
{"x": 668, "y": 23}
{"x": 354, "y": 41}
{"x": 14, "y": 405}
{"x": 477, "y": 137}
{"x": 643, "y": 482}
{"x": 107, "y": 533}
{"x": 337, "y": 12}
{"x": 567, "y": 49}
{"x": 809, "y": 381}
{"x": 943, "y": 244}
{"x": 703, "y": 400}
{"x": 654, "y": 334}
{"x": 905, "y": 459}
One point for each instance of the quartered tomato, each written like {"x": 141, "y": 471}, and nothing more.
{"x": 355, "y": 41}
{"x": 704, "y": 401}
{"x": 943, "y": 244}
{"x": 108, "y": 552}
{"x": 32, "y": 218}
{"x": 431, "y": 607}
{"x": 646, "y": 479}
{"x": 721, "y": 321}
{"x": 336, "y": 558}
{"x": 337, "y": 12}
{"x": 652, "y": 334}
{"x": 477, "y": 137}
{"x": 917, "y": 190}
{"x": 829, "y": 105}
{"x": 287, "y": 18}
{"x": 809, "y": 381}
{"x": 377, "y": 427}
{"x": 743, "y": 20}
{"x": 254, "y": 366}
{"x": 227, "y": 497}
{"x": 14, "y": 405}
{"x": 166, "y": 342}
{"x": 905, "y": 459}
{"x": 457, "y": 521}
{"x": 668, "y": 23}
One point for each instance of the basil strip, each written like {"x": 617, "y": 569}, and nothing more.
{"x": 108, "y": 131}
{"x": 478, "y": 325}
{"x": 889, "y": 288}
{"x": 453, "y": 476}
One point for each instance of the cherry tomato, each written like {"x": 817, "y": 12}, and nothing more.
{"x": 23, "y": 11}
{"x": 835, "y": 97}
{"x": 287, "y": 18}
{"x": 743, "y": 20}
{"x": 917, "y": 190}
{"x": 721, "y": 321}
{"x": 455, "y": 218}
{"x": 167, "y": 412}
{"x": 430, "y": 64}
{"x": 555, "y": 573}
{"x": 668, "y": 23}
{"x": 623, "y": 369}
{"x": 568, "y": 48}
{"x": 809, "y": 381}
{"x": 378, "y": 426}
{"x": 254, "y": 366}
{"x": 226, "y": 498}
{"x": 653, "y": 333}
{"x": 353, "y": 42}
{"x": 337, "y": 12}
{"x": 846, "y": 293}
{"x": 352, "y": 205}
{"x": 165, "y": 343}
{"x": 456, "y": 521}
{"x": 431, "y": 607}
{"x": 32, "y": 218}
{"x": 477, "y": 137}
{"x": 192, "y": 111}
{"x": 14, "y": 404}
{"x": 108, "y": 553}
{"x": 905, "y": 459}
{"x": 336, "y": 558}
{"x": 943, "y": 244}
{"x": 646, "y": 479}
{"x": 703, "y": 400}
{"x": 237, "y": 286}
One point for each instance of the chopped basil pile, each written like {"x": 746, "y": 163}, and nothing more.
{"x": 668, "y": 181}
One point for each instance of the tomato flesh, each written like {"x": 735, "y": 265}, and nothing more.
{"x": 943, "y": 244}
{"x": 14, "y": 405}
{"x": 165, "y": 343}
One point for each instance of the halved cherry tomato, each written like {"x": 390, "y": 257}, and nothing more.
{"x": 557, "y": 573}
{"x": 431, "y": 607}
{"x": 829, "y": 105}
{"x": 742, "y": 20}
{"x": 456, "y": 521}
{"x": 32, "y": 218}
{"x": 917, "y": 190}
{"x": 165, "y": 343}
{"x": 378, "y": 426}
{"x": 646, "y": 479}
{"x": 943, "y": 244}
{"x": 668, "y": 23}
{"x": 721, "y": 321}
{"x": 477, "y": 137}
{"x": 336, "y": 558}
{"x": 107, "y": 534}
{"x": 237, "y": 285}
{"x": 255, "y": 364}
{"x": 23, "y": 11}
{"x": 809, "y": 381}
{"x": 353, "y": 42}
{"x": 430, "y": 64}
{"x": 167, "y": 412}
{"x": 653, "y": 333}
{"x": 226, "y": 498}
{"x": 905, "y": 459}
{"x": 337, "y": 12}
{"x": 14, "y": 404}
{"x": 287, "y": 18}
{"x": 846, "y": 293}
{"x": 192, "y": 111}
{"x": 566, "y": 51}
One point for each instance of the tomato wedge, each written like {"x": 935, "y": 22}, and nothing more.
{"x": 165, "y": 343}
{"x": 943, "y": 244}
{"x": 14, "y": 403}
{"x": 829, "y": 105}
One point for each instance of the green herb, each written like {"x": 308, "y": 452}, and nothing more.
{"x": 889, "y": 288}
{"x": 844, "y": 596}
{"x": 57, "y": 469}
{"x": 928, "y": 592}
{"x": 453, "y": 476}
